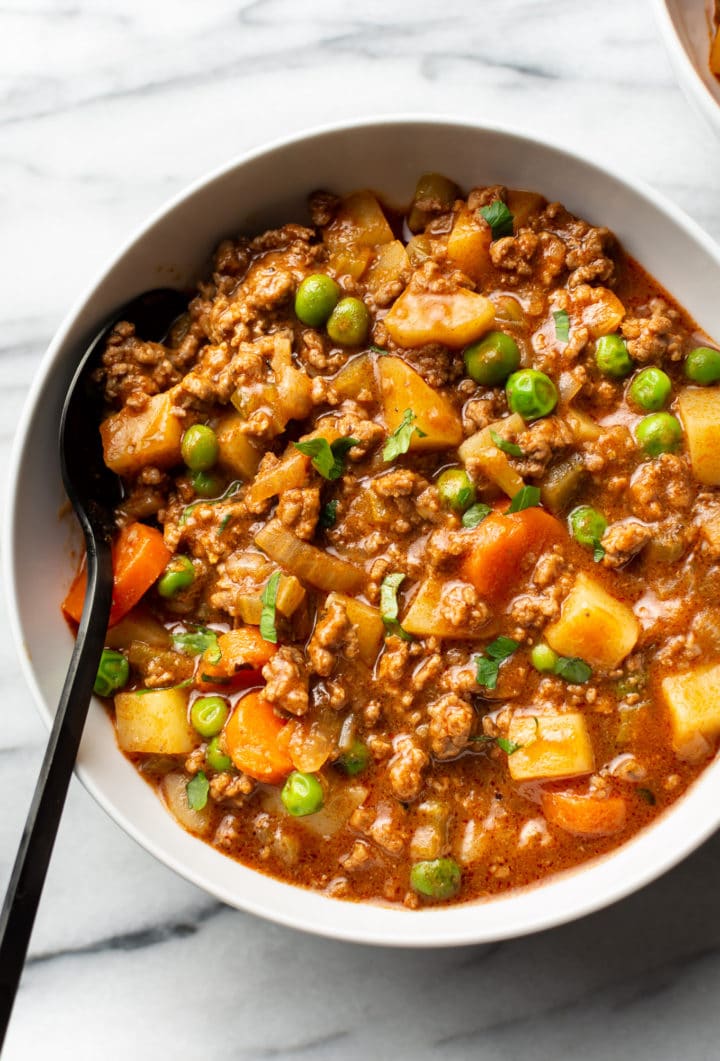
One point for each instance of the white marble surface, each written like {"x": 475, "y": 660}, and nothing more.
{"x": 107, "y": 107}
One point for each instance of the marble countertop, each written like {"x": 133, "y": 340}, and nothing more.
{"x": 108, "y": 108}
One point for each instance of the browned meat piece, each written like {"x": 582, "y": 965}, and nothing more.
{"x": 133, "y": 370}
{"x": 231, "y": 788}
{"x": 405, "y": 769}
{"x": 653, "y": 335}
{"x": 540, "y": 443}
{"x": 624, "y": 540}
{"x": 299, "y": 510}
{"x": 661, "y": 487}
{"x": 451, "y": 720}
{"x": 334, "y": 635}
{"x": 484, "y": 196}
{"x": 398, "y": 483}
{"x": 515, "y": 254}
{"x": 587, "y": 254}
{"x": 461, "y": 606}
{"x": 611, "y": 450}
{"x": 287, "y": 680}
{"x": 437, "y": 365}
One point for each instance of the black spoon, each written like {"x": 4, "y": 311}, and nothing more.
{"x": 94, "y": 491}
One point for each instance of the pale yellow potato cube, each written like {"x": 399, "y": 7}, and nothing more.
{"x": 699, "y": 409}
{"x": 237, "y": 454}
{"x": 360, "y": 220}
{"x": 426, "y": 617}
{"x": 155, "y": 722}
{"x": 152, "y": 436}
{"x": 594, "y": 626}
{"x": 551, "y": 746}
{"x": 402, "y": 388}
{"x": 693, "y": 700}
{"x": 391, "y": 265}
{"x": 456, "y": 318}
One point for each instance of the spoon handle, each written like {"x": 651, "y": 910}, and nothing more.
{"x": 28, "y": 875}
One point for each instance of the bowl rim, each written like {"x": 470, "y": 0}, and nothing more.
{"x": 391, "y": 926}
{"x": 687, "y": 72}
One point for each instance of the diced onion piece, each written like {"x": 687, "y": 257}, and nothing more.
{"x": 154, "y": 721}
{"x": 349, "y": 260}
{"x": 307, "y": 562}
{"x": 549, "y": 746}
{"x": 174, "y": 790}
{"x": 340, "y": 802}
{"x": 310, "y": 744}
{"x": 481, "y": 456}
{"x": 693, "y": 700}
{"x": 356, "y": 378}
{"x": 562, "y": 482}
{"x": 699, "y": 409}
{"x": 237, "y": 454}
{"x": 430, "y": 838}
{"x": 368, "y": 625}
{"x": 402, "y": 388}
{"x": 604, "y": 312}
{"x": 583, "y": 427}
{"x": 132, "y": 440}
{"x": 522, "y": 205}
{"x": 457, "y": 318}
{"x": 594, "y": 626}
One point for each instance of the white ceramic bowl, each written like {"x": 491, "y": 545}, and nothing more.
{"x": 265, "y": 188}
{"x": 686, "y": 26}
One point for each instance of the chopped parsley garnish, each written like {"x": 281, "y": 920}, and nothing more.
{"x": 562, "y": 325}
{"x": 399, "y": 442}
{"x": 230, "y": 492}
{"x": 527, "y": 497}
{"x": 573, "y": 670}
{"x": 197, "y": 790}
{"x": 224, "y": 522}
{"x": 507, "y": 447}
{"x": 476, "y": 514}
{"x": 498, "y": 218}
{"x": 163, "y": 688}
{"x": 197, "y": 642}
{"x": 647, "y": 795}
{"x": 389, "y": 605}
{"x": 328, "y": 515}
{"x": 508, "y": 746}
{"x": 328, "y": 458}
{"x": 267, "y": 617}
{"x": 488, "y": 666}
{"x": 598, "y": 552}
{"x": 378, "y": 349}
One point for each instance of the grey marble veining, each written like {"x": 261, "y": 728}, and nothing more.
{"x": 107, "y": 107}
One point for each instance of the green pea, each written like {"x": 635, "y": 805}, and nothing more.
{"x": 349, "y": 322}
{"x": 650, "y": 389}
{"x": 702, "y": 365}
{"x": 612, "y": 357}
{"x": 316, "y": 298}
{"x": 302, "y": 794}
{"x": 216, "y": 758}
{"x": 530, "y": 393}
{"x": 437, "y": 878}
{"x": 199, "y": 447}
{"x": 659, "y": 433}
{"x": 207, "y": 484}
{"x": 456, "y": 490}
{"x": 587, "y": 525}
{"x": 113, "y": 672}
{"x": 355, "y": 760}
{"x": 543, "y": 658}
{"x": 178, "y": 575}
{"x": 491, "y": 360}
{"x": 208, "y": 715}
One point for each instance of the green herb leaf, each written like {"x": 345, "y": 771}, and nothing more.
{"x": 498, "y": 218}
{"x": 328, "y": 515}
{"x": 527, "y": 497}
{"x": 230, "y": 492}
{"x": 399, "y": 442}
{"x": 508, "y": 746}
{"x": 197, "y": 641}
{"x": 389, "y": 604}
{"x": 197, "y": 790}
{"x": 647, "y": 795}
{"x": 562, "y": 325}
{"x": 573, "y": 670}
{"x": 507, "y": 447}
{"x": 224, "y": 522}
{"x": 267, "y": 617}
{"x": 378, "y": 349}
{"x": 598, "y": 552}
{"x": 475, "y": 514}
{"x": 488, "y": 665}
{"x": 328, "y": 458}
{"x": 164, "y": 688}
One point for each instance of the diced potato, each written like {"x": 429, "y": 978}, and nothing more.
{"x": 138, "y": 625}
{"x": 522, "y": 205}
{"x": 469, "y": 244}
{"x": 480, "y": 454}
{"x": 402, "y": 388}
{"x": 391, "y": 264}
{"x": 368, "y": 624}
{"x": 604, "y": 313}
{"x": 583, "y": 426}
{"x": 454, "y": 319}
{"x": 693, "y": 699}
{"x": 174, "y": 789}
{"x": 584, "y": 814}
{"x": 594, "y": 626}
{"x": 551, "y": 746}
{"x": 430, "y": 837}
{"x": 699, "y": 409}
{"x": 715, "y": 54}
{"x": 360, "y": 220}
{"x": 152, "y": 436}
{"x": 424, "y": 617}
{"x": 237, "y": 455}
{"x": 356, "y": 379}
{"x": 290, "y": 595}
{"x": 154, "y": 721}
{"x": 307, "y": 562}
{"x": 289, "y": 473}
{"x": 349, "y": 260}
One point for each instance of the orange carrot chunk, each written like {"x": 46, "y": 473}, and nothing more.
{"x": 504, "y": 545}
{"x": 251, "y": 740}
{"x": 243, "y": 654}
{"x": 584, "y": 814}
